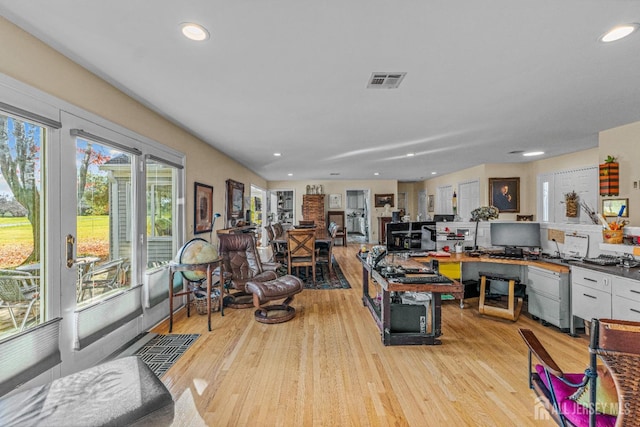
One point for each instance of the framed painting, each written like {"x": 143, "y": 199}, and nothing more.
{"x": 504, "y": 194}
{"x": 430, "y": 203}
{"x": 612, "y": 207}
{"x": 235, "y": 202}
{"x": 335, "y": 201}
{"x": 383, "y": 199}
{"x": 203, "y": 208}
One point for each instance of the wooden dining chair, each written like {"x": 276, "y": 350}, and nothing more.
{"x": 324, "y": 251}
{"x": 301, "y": 252}
{"x": 338, "y": 217}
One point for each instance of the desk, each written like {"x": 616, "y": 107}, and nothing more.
{"x": 383, "y": 319}
{"x": 547, "y": 283}
{"x": 208, "y": 267}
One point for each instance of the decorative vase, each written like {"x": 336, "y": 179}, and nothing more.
{"x": 572, "y": 208}
{"x": 609, "y": 179}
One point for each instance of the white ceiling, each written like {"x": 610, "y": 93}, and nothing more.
{"x": 484, "y": 78}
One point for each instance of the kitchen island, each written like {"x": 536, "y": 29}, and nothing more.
{"x": 381, "y": 305}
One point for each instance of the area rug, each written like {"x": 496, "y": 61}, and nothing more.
{"x": 323, "y": 279}
{"x": 162, "y": 351}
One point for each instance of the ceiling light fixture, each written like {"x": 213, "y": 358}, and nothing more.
{"x": 376, "y": 173}
{"x": 277, "y": 154}
{"x": 289, "y": 174}
{"x": 433, "y": 173}
{"x": 410, "y": 154}
{"x": 619, "y": 32}
{"x": 533, "y": 153}
{"x": 194, "y": 32}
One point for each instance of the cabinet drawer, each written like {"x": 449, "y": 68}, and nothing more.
{"x": 588, "y": 303}
{"x": 546, "y": 282}
{"x": 625, "y": 309}
{"x": 545, "y": 308}
{"x": 626, "y": 288}
{"x": 591, "y": 279}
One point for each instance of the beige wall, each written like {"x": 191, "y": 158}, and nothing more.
{"x": 620, "y": 142}
{"x": 623, "y": 143}
{"x": 27, "y": 59}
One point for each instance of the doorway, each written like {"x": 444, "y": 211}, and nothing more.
{"x": 358, "y": 216}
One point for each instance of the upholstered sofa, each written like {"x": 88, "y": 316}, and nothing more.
{"x": 122, "y": 392}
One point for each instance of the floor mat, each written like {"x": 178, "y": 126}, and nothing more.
{"x": 161, "y": 352}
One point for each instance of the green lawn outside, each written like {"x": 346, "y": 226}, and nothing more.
{"x": 93, "y": 227}
{"x": 15, "y": 230}
{"x": 16, "y": 240}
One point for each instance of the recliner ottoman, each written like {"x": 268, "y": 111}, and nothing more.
{"x": 121, "y": 392}
{"x": 282, "y": 287}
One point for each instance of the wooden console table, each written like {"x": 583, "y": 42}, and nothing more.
{"x": 382, "y": 316}
{"x": 209, "y": 267}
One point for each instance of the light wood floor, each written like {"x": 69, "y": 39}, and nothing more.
{"x": 328, "y": 367}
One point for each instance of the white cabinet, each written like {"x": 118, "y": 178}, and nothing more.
{"x": 605, "y": 296}
{"x": 590, "y": 293}
{"x": 626, "y": 299}
{"x": 548, "y": 296}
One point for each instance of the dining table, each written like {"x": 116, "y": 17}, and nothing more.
{"x": 323, "y": 237}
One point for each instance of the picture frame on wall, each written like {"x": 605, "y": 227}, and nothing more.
{"x": 203, "y": 208}
{"x": 612, "y": 207}
{"x": 383, "y": 199}
{"x": 335, "y": 201}
{"x": 430, "y": 203}
{"x": 235, "y": 202}
{"x": 504, "y": 194}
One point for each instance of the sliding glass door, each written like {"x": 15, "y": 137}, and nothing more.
{"x": 22, "y": 224}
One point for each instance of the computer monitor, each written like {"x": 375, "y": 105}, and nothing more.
{"x": 443, "y": 218}
{"x": 411, "y": 236}
{"x": 397, "y": 234}
{"x": 515, "y": 234}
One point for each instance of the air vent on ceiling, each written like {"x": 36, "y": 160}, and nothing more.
{"x": 385, "y": 80}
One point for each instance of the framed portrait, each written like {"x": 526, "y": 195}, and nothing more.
{"x": 430, "y": 203}
{"x": 383, "y": 199}
{"x": 504, "y": 194}
{"x": 235, "y": 202}
{"x": 203, "y": 208}
{"x": 335, "y": 201}
{"x": 612, "y": 207}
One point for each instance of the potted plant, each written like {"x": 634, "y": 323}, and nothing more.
{"x": 609, "y": 177}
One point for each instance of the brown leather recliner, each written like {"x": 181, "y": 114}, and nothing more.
{"x": 240, "y": 258}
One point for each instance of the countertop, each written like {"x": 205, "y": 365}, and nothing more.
{"x": 629, "y": 273}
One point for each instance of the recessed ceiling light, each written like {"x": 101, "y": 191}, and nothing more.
{"x": 277, "y": 154}
{"x": 376, "y": 173}
{"x": 410, "y": 154}
{"x": 433, "y": 173}
{"x": 533, "y": 153}
{"x": 194, "y": 31}
{"x": 619, "y": 32}
{"x": 289, "y": 174}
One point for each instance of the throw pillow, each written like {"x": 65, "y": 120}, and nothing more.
{"x": 606, "y": 395}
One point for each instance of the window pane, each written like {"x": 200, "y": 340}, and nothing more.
{"x": 161, "y": 207}
{"x": 21, "y": 224}
{"x": 105, "y": 220}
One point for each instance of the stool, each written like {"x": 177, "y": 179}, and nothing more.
{"x": 283, "y": 287}
{"x": 512, "y": 312}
